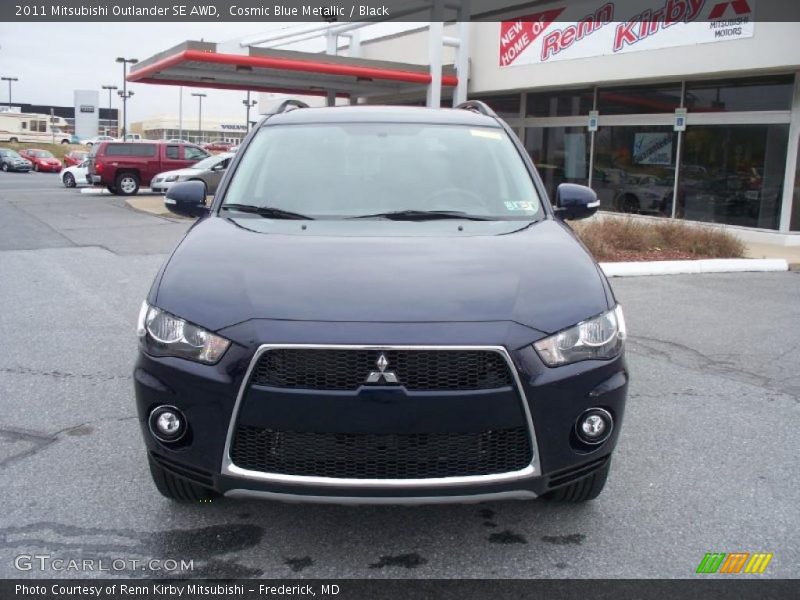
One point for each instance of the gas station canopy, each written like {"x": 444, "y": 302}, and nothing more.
{"x": 201, "y": 64}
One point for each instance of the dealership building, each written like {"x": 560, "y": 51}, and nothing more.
{"x": 644, "y": 101}
{"x": 231, "y": 129}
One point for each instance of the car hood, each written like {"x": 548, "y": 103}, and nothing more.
{"x": 229, "y": 271}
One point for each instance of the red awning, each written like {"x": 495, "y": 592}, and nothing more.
{"x": 199, "y": 64}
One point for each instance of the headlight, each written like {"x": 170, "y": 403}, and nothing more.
{"x": 599, "y": 338}
{"x": 163, "y": 334}
{"x": 171, "y": 178}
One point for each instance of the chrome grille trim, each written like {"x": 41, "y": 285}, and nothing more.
{"x": 231, "y": 470}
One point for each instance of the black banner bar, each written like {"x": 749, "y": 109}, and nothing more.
{"x": 350, "y": 10}
{"x": 723, "y": 588}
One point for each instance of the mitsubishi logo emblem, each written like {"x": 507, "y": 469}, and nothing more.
{"x": 382, "y": 374}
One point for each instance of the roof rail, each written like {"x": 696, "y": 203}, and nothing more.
{"x": 290, "y": 104}
{"x": 478, "y": 107}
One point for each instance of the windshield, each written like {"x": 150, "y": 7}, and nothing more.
{"x": 42, "y": 154}
{"x": 352, "y": 169}
{"x": 208, "y": 163}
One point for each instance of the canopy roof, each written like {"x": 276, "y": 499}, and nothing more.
{"x": 200, "y": 64}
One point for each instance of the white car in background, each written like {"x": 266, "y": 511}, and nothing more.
{"x": 76, "y": 176}
{"x": 96, "y": 140}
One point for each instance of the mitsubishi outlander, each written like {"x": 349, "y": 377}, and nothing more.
{"x": 380, "y": 305}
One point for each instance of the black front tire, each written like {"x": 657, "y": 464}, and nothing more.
{"x": 69, "y": 180}
{"x": 584, "y": 489}
{"x": 177, "y": 488}
{"x": 5, "y": 167}
{"x": 127, "y": 184}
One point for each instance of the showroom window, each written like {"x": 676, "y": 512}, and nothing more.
{"x": 630, "y": 100}
{"x": 561, "y": 155}
{"x": 634, "y": 169}
{"x": 733, "y": 174}
{"x": 762, "y": 93}
{"x": 566, "y": 103}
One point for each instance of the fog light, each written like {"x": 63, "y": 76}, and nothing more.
{"x": 167, "y": 424}
{"x": 594, "y": 426}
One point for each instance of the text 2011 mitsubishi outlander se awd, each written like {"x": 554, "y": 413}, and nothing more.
{"x": 381, "y": 305}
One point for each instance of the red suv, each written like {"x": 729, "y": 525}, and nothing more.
{"x": 122, "y": 166}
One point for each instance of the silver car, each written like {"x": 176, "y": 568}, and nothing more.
{"x": 209, "y": 170}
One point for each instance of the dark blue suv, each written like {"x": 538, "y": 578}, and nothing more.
{"x": 381, "y": 306}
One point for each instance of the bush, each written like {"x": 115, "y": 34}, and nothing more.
{"x": 634, "y": 239}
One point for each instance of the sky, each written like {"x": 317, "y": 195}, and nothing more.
{"x": 52, "y": 60}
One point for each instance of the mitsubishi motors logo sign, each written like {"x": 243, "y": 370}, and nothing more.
{"x": 588, "y": 28}
{"x": 740, "y": 7}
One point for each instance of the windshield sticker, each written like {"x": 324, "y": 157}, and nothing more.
{"x": 485, "y": 133}
{"x": 520, "y": 206}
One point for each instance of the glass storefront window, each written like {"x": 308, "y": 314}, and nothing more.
{"x": 506, "y": 106}
{"x": 762, "y": 93}
{"x": 561, "y": 155}
{"x": 634, "y": 169}
{"x": 733, "y": 174}
{"x": 633, "y": 100}
{"x": 565, "y": 103}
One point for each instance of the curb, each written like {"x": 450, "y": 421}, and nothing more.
{"x": 96, "y": 191}
{"x": 687, "y": 267}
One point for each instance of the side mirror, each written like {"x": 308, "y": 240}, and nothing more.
{"x": 187, "y": 198}
{"x": 575, "y": 201}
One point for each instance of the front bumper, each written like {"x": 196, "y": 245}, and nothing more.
{"x": 550, "y": 400}
{"x": 161, "y": 187}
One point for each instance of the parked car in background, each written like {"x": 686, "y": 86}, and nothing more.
{"x": 209, "y": 170}
{"x": 218, "y": 146}
{"x": 96, "y": 140}
{"x": 10, "y": 160}
{"x": 646, "y": 195}
{"x": 75, "y": 157}
{"x": 42, "y": 160}
{"x": 76, "y": 175}
{"x": 122, "y": 166}
{"x": 177, "y": 141}
{"x": 130, "y": 137}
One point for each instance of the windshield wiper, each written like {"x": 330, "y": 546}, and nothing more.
{"x": 423, "y": 215}
{"x": 269, "y": 212}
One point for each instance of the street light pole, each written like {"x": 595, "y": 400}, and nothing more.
{"x": 200, "y": 116}
{"x": 124, "y": 95}
{"x": 249, "y": 105}
{"x": 110, "y": 88}
{"x": 9, "y": 80}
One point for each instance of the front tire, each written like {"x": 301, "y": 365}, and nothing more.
{"x": 127, "y": 184}
{"x": 69, "y": 180}
{"x": 584, "y": 489}
{"x": 177, "y": 488}
{"x": 5, "y": 167}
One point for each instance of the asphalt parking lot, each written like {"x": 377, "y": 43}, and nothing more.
{"x": 707, "y": 460}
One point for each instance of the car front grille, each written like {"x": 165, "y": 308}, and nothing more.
{"x": 348, "y": 369}
{"x": 381, "y": 456}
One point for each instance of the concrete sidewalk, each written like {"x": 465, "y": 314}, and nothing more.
{"x": 153, "y": 205}
{"x": 790, "y": 253}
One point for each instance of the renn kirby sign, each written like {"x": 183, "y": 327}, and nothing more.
{"x": 597, "y": 28}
